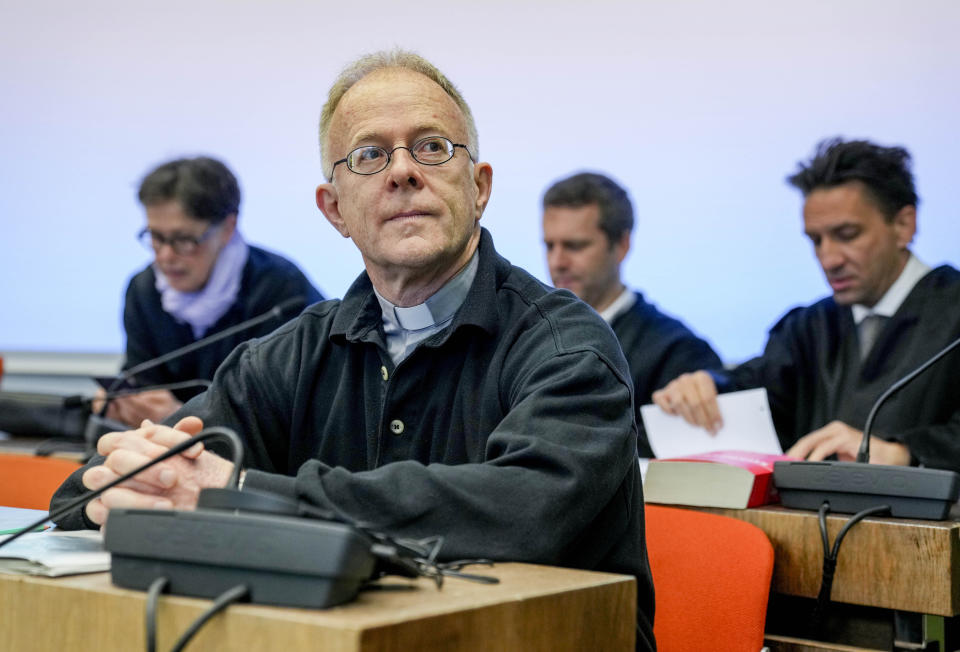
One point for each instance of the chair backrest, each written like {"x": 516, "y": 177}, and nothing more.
{"x": 29, "y": 482}
{"x": 712, "y": 578}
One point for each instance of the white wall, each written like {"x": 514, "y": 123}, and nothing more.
{"x": 699, "y": 108}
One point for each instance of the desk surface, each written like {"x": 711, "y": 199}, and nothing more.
{"x": 533, "y": 608}
{"x": 895, "y": 563}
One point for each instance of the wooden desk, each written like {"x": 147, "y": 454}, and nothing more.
{"x": 891, "y": 563}
{"x": 895, "y": 563}
{"x": 534, "y": 608}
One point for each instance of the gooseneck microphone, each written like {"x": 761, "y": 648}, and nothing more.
{"x": 911, "y": 492}
{"x": 274, "y": 313}
{"x": 863, "y": 455}
{"x": 99, "y": 424}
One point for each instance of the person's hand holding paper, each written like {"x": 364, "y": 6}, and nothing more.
{"x": 692, "y": 396}
{"x": 743, "y": 422}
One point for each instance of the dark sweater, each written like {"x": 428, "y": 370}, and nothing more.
{"x": 658, "y": 349}
{"x": 511, "y": 432}
{"x": 268, "y": 279}
{"x": 813, "y": 375}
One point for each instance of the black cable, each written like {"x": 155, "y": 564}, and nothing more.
{"x": 221, "y": 602}
{"x": 418, "y": 558}
{"x": 403, "y": 556}
{"x": 156, "y": 588}
{"x": 183, "y": 384}
{"x": 830, "y": 556}
{"x": 125, "y": 375}
{"x": 203, "y": 435}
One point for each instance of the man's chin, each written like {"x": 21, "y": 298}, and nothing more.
{"x": 846, "y": 298}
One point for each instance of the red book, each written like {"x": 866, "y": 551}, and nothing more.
{"x": 731, "y": 479}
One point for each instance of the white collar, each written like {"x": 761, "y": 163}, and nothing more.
{"x": 438, "y": 308}
{"x": 620, "y": 305}
{"x": 894, "y": 297}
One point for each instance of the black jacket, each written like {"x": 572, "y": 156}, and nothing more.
{"x": 658, "y": 349}
{"x": 813, "y": 375}
{"x": 511, "y": 432}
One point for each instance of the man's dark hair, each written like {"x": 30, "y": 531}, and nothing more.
{"x": 885, "y": 171}
{"x": 204, "y": 187}
{"x": 585, "y": 188}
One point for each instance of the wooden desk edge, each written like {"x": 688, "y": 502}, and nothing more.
{"x": 531, "y": 602}
{"x": 931, "y": 583}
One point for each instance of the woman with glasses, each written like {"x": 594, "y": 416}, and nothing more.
{"x": 203, "y": 279}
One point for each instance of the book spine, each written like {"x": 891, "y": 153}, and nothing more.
{"x": 764, "y": 491}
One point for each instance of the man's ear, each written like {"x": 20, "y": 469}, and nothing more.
{"x": 905, "y": 224}
{"x": 622, "y": 246}
{"x": 328, "y": 201}
{"x": 483, "y": 177}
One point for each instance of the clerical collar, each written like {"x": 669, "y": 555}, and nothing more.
{"x": 405, "y": 328}
{"x": 894, "y": 297}
{"x": 619, "y": 306}
{"x": 439, "y": 308}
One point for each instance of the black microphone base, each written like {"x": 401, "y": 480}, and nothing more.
{"x": 283, "y": 560}
{"x": 849, "y": 487}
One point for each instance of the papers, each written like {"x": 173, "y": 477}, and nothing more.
{"x": 14, "y": 519}
{"x": 747, "y": 426}
{"x": 51, "y": 553}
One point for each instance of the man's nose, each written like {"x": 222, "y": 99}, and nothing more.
{"x": 830, "y": 255}
{"x": 403, "y": 170}
{"x": 556, "y": 258}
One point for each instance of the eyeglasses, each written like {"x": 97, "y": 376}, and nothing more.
{"x": 370, "y": 159}
{"x": 182, "y": 245}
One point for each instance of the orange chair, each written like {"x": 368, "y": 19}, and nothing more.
{"x": 29, "y": 482}
{"x": 712, "y": 578}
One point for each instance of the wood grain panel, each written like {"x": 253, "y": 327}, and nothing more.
{"x": 534, "y": 608}
{"x": 905, "y": 564}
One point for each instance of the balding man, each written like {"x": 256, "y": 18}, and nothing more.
{"x": 449, "y": 392}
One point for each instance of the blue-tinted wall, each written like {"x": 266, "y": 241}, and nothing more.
{"x": 699, "y": 108}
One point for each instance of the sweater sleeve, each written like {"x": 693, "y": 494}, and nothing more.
{"x": 71, "y": 489}
{"x": 564, "y": 449}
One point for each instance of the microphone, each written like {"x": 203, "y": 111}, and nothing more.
{"x": 127, "y": 374}
{"x": 99, "y": 424}
{"x": 863, "y": 455}
{"x": 849, "y": 487}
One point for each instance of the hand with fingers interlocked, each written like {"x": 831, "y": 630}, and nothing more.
{"x": 174, "y": 483}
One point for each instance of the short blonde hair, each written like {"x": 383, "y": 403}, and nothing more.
{"x": 367, "y": 64}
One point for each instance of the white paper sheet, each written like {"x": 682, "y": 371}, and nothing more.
{"x": 55, "y": 553}
{"x": 747, "y": 426}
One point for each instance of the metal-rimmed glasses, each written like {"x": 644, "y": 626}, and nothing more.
{"x": 370, "y": 159}
{"x": 182, "y": 245}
